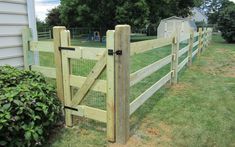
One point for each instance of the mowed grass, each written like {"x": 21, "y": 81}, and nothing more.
{"x": 199, "y": 111}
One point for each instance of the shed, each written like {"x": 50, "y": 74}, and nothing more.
{"x": 14, "y": 16}
{"x": 168, "y": 26}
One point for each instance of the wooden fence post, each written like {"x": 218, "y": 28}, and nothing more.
{"x": 49, "y": 34}
{"x": 200, "y": 41}
{"x": 175, "y": 52}
{"x": 207, "y": 37}
{"x": 58, "y": 63}
{"x": 122, "y": 82}
{"x": 204, "y": 39}
{"x": 65, "y": 42}
{"x": 190, "y": 51}
{"x": 26, "y": 37}
{"x": 110, "y": 87}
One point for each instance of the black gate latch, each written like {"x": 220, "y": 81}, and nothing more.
{"x": 111, "y": 53}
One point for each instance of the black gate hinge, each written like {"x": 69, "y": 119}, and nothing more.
{"x": 111, "y": 52}
{"x": 67, "y": 48}
{"x": 71, "y": 108}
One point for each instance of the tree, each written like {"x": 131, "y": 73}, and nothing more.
{"x": 212, "y": 9}
{"x": 104, "y": 13}
{"x": 41, "y": 25}
{"x": 53, "y": 17}
{"x": 108, "y": 13}
{"x": 133, "y": 12}
{"x": 226, "y": 21}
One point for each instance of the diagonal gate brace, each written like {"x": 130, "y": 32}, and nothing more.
{"x": 90, "y": 80}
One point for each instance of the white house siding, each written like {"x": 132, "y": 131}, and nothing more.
{"x": 13, "y": 18}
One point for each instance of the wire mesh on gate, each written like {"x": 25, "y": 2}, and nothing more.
{"x": 95, "y": 99}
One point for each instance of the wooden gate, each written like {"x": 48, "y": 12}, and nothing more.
{"x": 108, "y": 75}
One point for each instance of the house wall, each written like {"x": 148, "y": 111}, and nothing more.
{"x": 13, "y": 18}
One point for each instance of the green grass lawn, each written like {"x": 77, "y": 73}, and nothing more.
{"x": 199, "y": 111}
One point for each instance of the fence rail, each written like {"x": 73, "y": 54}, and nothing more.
{"x": 45, "y": 35}
{"x": 106, "y": 70}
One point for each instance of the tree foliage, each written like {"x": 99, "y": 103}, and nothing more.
{"x": 53, "y": 17}
{"x": 108, "y": 13}
{"x": 226, "y": 21}
{"x": 41, "y": 25}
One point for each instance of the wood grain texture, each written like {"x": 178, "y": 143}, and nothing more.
{"x": 122, "y": 82}
{"x": 90, "y": 112}
{"x": 58, "y": 62}
{"x": 42, "y": 46}
{"x": 143, "y": 46}
{"x": 78, "y": 81}
{"x": 64, "y": 41}
{"x": 89, "y": 53}
{"x": 46, "y": 71}
{"x": 26, "y": 38}
{"x": 110, "y": 101}
{"x": 175, "y": 58}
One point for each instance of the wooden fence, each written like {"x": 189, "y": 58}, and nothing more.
{"x": 45, "y": 35}
{"x": 113, "y": 61}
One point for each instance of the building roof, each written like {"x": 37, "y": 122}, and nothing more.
{"x": 174, "y": 17}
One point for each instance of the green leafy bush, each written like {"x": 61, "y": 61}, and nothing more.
{"x": 29, "y": 107}
{"x": 226, "y": 22}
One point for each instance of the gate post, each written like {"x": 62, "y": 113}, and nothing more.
{"x": 110, "y": 101}
{"x": 26, "y": 38}
{"x": 66, "y": 68}
{"x": 122, "y": 81}
{"x": 58, "y": 62}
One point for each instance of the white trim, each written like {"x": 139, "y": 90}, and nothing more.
{"x": 33, "y": 26}
{"x": 32, "y": 18}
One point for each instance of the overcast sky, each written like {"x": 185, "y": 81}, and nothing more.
{"x": 42, "y": 7}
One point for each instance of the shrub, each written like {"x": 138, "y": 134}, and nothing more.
{"x": 226, "y": 22}
{"x": 29, "y": 107}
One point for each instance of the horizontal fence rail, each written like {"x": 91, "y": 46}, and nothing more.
{"x": 148, "y": 70}
{"x": 44, "y": 35}
{"x": 148, "y": 93}
{"x": 143, "y": 46}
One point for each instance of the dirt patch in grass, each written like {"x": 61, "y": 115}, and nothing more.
{"x": 134, "y": 141}
{"x": 221, "y": 50}
{"x": 180, "y": 86}
{"x": 153, "y": 131}
{"x": 149, "y": 134}
{"x": 157, "y": 135}
{"x": 229, "y": 72}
